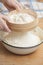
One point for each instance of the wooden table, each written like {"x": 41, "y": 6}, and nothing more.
{"x": 8, "y": 58}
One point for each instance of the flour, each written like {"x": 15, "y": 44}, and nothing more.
{"x": 21, "y": 18}
{"x": 27, "y": 39}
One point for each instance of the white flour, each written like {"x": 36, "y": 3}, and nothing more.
{"x": 27, "y": 39}
{"x": 21, "y": 18}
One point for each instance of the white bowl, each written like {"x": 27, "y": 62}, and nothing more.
{"x": 21, "y": 50}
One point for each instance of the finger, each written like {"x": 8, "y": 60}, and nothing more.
{"x": 4, "y": 25}
{"x": 6, "y": 18}
{"x": 12, "y": 5}
{"x": 16, "y": 5}
{"x": 9, "y": 7}
{"x": 1, "y": 28}
{"x": 2, "y": 16}
{"x": 19, "y": 4}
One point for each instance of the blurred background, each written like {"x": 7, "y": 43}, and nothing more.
{"x": 33, "y": 4}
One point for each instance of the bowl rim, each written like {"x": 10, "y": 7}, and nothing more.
{"x": 23, "y": 11}
{"x": 21, "y": 47}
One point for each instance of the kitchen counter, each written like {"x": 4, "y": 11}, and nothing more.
{"x": 8, "y": 58}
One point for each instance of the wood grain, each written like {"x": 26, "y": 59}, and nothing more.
{"x": 8, "y": 58}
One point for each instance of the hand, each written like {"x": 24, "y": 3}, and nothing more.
{"x": 3, "y": 25}
{"x": 12, "y": 4}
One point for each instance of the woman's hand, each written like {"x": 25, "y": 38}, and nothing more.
{"x": 3, "y": 25}
{"x": 12, "y": 4}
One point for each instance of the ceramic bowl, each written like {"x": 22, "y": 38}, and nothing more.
{"x": 21, "y": 50}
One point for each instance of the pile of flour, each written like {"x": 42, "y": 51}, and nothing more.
{"x": 27, "y": 39}
{"x": 21, "y": 18}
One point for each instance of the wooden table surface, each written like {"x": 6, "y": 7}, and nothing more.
{"x": 8, "y": 58}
